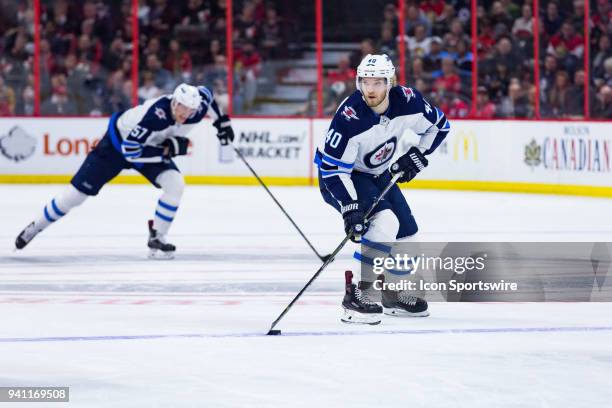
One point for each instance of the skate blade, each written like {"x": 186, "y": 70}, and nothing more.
{"x": 353, "y": 317}
{"x": 392, "y": 311}
{"x": 160, "y": 255}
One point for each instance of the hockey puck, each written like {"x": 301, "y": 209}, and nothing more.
{"x": 274, "y": 333}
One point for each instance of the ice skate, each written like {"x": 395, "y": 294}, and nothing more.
{"x": 400, "y": 304}
{"x": 357, "y": 306}
{"x": 26, "y": 236}
{"x": 158, "y": 247}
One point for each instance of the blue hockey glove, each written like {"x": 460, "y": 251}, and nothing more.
{"x": 225, "y": 133}
{"x": 177, "y": 145}
{"x": 411, "y": 164}
{"x": 354, "y": 220}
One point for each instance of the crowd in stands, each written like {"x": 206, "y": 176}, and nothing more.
{"x": 86, "y": 54}
{"x": 16, "y": 58}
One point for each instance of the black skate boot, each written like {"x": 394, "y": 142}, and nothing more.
{"x": 159, "y": 248}
{"x": 358, "y": 308}
{"x": 401, "y": 304}
{"x": 26, "y": 236}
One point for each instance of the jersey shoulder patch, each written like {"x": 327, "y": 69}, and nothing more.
{"x": 409, "y": 101}
{"x": 353, "y": 116}
{"x": 159, "y": 115}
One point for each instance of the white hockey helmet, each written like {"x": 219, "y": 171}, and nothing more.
{"x": 187, "y": 95}
{"x": 376, "y": 66}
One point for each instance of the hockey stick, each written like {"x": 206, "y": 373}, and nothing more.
{"x": 273, "y": 332}
{"x": 322, "y": 258}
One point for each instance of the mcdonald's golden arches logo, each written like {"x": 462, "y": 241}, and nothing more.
{"x": 465, "y": 146}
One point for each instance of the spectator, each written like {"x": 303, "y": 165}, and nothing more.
{"x": 577, "y": 16}
{"x": 59, "y": 103}
{"x": 552, "y": 20}
{"x": 523, "y": 26}
{"x": 485, "y": 109}
{"x": 390, "y": 18}
{"x": 559, "y": 95}
{"x": 214, "y": 49}
{"x": 387, "y": 43}
{"x": 245, "y": 25}
{"x": 113, "y": 55}
{"x": 547, "y": 76}
{"x": 162, "y": 77}
{"x": 433, "y": 60}
{"x": 499, "y": 16}
{"x": 576, "y": 95}
{"x": 603, "y": 103}
{"x": 7, "y": 99}
{"x": 271, "y": 34}
{"x": 607, "y": 76}
{"x": 162, "y": 19}
{"x": 456, "y": 107}
{"x": 567, "y": 46}
{"x": 343, "y": 73}
{"x": 464, "y": 59}
{"x": 419, "y": 44}
{"x": 148, "y": 89}
{"x": 447, "y": 79}
{"x": 604, "y": 52}
{"x": 178, "y": 61}
{"x": 415, "y": 16}
{"x": 365, "y": 47}
{"x": 515, "y": 104}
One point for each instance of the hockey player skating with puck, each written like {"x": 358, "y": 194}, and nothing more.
{"x": 355, "y": 165}
{"x": 144, "y": 138}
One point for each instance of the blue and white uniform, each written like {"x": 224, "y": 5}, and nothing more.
{"x": 355, "y": 157}
{"x": 359, "y": 140}
{"x": 140, "y": 131}
{"x": 134, "y": 140}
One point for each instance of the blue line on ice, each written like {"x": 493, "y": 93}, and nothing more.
{"x": 304, "y": 334}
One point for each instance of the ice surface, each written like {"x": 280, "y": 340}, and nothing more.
{"x": 83, "y": 307}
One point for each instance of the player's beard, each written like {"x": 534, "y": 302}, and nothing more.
{"x": 379, "y": 105}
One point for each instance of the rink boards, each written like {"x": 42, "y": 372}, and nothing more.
{"x": 522, "y": 156}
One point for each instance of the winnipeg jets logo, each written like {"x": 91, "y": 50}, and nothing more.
{"x": 349, "y": 113}
{"x": 407, "y": 93}
{"x": 381, "y": 153}
{"x": 159, "y": 112}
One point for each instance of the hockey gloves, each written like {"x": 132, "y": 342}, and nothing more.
{"x": 411, "y": 164}
{"x": 225, "y": 133}
{"x": 177, "y": 145}
{"x": 354, "y": 220}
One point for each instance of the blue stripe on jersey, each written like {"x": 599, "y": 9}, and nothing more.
{"x": 336, "y": 162}
{"x": 135, "y": 154}
{"x": 57, "y": 210}
{"x": 47, "y": 216}
{"x": 167, "y": 206}
{"x": 363, "y": 259}
{"x": 439, "y": 115}
{"x": 113, "y": 134}
{"x": 206, "y": 93}
{"x": 446, "y": 126}
{"x": 163, "y": 217}
{"x": 327, "y": 173}
{"x": 130, "y": 143}
{"x": 376, "y": 245}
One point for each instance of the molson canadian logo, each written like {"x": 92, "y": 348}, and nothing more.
{"x": 465, "y": 146}
{"x": 575, "y": 151}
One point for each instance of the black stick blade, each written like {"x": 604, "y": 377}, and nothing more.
{"x": 274, "y": 332}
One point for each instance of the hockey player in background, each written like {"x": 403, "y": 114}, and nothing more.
{"x": 144, "y": 138}
{"x": 355, "y": 165}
